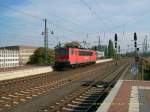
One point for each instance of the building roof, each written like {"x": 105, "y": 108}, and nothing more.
{"x": 19, "y": 47}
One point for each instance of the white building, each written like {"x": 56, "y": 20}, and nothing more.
{"x": 12, "y": 56}
{"x": 9, "y": 58}
{"x": 100, "y": 54}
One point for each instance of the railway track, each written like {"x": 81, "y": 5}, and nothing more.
{"x": 86, "y": 98}
{"x": 19, "y": 84}
{"x": 23, "y": 89}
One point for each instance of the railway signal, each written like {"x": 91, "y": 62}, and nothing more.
{"x": 116, "y": 39}
{"x": 135, "y": 41}
{"x": 135, "y": 44}
{"x": 135, "y": 37}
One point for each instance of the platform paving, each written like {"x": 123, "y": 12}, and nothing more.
{"x": 128, "y": 96}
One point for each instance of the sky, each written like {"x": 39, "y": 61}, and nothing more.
{"x": 21, "y": 21}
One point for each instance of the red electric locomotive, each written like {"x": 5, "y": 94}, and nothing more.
{"x": 71, "y": 57}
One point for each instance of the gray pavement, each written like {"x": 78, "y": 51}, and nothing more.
{"x": 144, "y": 101}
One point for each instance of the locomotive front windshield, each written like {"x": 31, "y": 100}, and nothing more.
{"x": 61, "y": 52}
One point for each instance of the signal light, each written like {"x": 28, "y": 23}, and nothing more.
{"x": 135, "y": 44}
{"x": 135, "y": 36}
{"x": 116, "y": 38}
{"x": 115, "y": 44}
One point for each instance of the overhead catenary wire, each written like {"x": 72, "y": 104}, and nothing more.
{"x": 51, "y": 22}
{"x": 40, "y": 18}
{"x": 95, "y": 14}
{"x": 99, "y": 6}
{"x": 21, "y": 12}
{"x": 2, "y": 24}
{"x": 35, "y": 17}
{"x": 17, "y": 34}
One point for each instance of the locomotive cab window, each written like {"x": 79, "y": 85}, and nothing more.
{"x": 62, "y": 52}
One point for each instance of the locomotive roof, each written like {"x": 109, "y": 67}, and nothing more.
{"x": 75, "y": 48}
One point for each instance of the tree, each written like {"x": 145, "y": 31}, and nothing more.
{"x": 94, "y": 48}
{"x": 106, "y": 51}
{"x": 39, "y": 56}
{"x": 72, "y": 44}
{"x": 130, "y": 54}
{"x": 111, "y": 50}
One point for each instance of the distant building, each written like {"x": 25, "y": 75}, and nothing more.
{"x": 9, "y": 58}
{"x": 100, "y": 50}
{"x": 23, "y": 54}
{"x": 99, "y": 54}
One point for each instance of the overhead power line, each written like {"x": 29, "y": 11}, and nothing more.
{"x": 21, "y": 12}
{"x": 66, "y": 29}
{"x": 59, "y": 26}
{"x": 94, "y": 13}
{"x": 17, "y": 34}
{"x": 20, "y": 29}
{"x": 109, "y": 18}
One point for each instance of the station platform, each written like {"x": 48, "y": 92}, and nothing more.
{"x": 29, "y": 71}
{"x": 128, "y": 96}
{"x": 18, "y": 73}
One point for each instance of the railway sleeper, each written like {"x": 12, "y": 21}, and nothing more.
{"x": 84, "y": 100}
{"x": 91, "y": 95}
{"x": 88, "y": 98}
{"x": 94, "y": 91}
{"x": 64, "y": 109}
{"x": 15, "y": 99}
{"x": 2, "y": 103}
{"x": 74, "y": 109}
{"x": 84, "y": 103}
{"x": 26, "y": 94}
{"x": 7, "y": 102}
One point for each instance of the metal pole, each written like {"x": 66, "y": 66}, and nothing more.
{"x": 142, "y": 72}
{"x": 99, "y": 43}
{"x": 46, "y": 41}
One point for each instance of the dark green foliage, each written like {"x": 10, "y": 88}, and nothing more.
{"x": 111, "y": 50}
{"x": 146, "y": 54}
{"x": 130, "y": 54}
{"x": 94, "y": 48}
{"x": 106, "y": 52}
{"x": 39, "y": 57}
